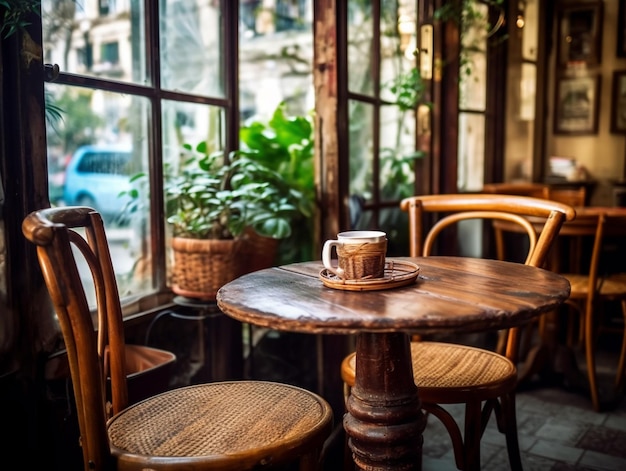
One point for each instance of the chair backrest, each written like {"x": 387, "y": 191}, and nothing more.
{"x": 92, "y": 355}
{"x": 510, "y": 208}
{"x": 535, "y": 190}
{"x": 571, "y": 196}
{"x": 452, "y": 208}
{"x": 606, "y": 229}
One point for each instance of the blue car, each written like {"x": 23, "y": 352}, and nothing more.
{"x": 95, "y": 176}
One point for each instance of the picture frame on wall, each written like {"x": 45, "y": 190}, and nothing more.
{"x": 576, "y": 105}
{"x": 621, "y": 29}
{"x": 618, "y": 102}
{"x": 579, "y": 33}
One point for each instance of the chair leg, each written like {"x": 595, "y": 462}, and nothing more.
{"x": 473, "y": 426}
{"x": 310, "y": 462}
{"x": 501, "y": 345}
{"x": 453, "y": 431}
{"x": 590, "y": 358}
{"x": 510, "y": 431}
{"x": 619, "y": 378}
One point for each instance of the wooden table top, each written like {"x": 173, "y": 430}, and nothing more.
{"x": 450, "y": 293}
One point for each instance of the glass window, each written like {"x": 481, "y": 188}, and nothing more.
{"x": 191, "y": 47}
{"x": 103, "y": 41}
{"x": 471, "y": 151}
{"x": 384, "y": 90}
{"x": 473, "y": 102}
{"x": 106, "y": 116}
{"x": 124, "y": 114}
{"x": 130, "y": 89}
{"x": 275, "y": 58}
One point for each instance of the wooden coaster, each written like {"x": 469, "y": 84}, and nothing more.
{"x": 397, "y": 273}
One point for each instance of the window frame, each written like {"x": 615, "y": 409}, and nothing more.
{"x": 156, "y": 95}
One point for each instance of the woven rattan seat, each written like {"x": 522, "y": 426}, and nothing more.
{"x": 448, "y": 373}
{"x": 454, "y": 367}
{"x": 236, "y": 425}
{"x": 174, "y": 423}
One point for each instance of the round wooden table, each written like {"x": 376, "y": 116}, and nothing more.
{"x": 384, "y": 420}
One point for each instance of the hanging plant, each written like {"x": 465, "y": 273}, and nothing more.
{"x": 469, "y": 16}
{"x": 408, "y": 89}
{"x": 15, "y": 14}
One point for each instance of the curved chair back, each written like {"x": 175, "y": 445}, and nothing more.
{"x": 597, "y": 276}
{"x": 510, "y": 208}
{"x": 534, "y": 190}
{"x": 514, "y": 209}
{"x": 54, "y": 232}
{"x": 190, "y": 427}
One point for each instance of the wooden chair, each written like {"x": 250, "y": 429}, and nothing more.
{"x": 572, "y": 196}
{"x": 236, "y": 425}
{"x": 534, "y": 190}
{"x": 448, "y": 373}
{"x": 597, "y": 284}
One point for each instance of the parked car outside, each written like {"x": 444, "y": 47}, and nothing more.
{"x": 95, "y": 176}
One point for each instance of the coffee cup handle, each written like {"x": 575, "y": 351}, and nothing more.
{"x": 326, "y": 257}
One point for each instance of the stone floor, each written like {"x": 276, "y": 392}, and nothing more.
{"x": 558, "y": 429}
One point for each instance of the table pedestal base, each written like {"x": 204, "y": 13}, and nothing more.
{"x": 384, "y": 421}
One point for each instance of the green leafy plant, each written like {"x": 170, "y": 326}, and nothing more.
{"x": 15, "y": 14}
{"x": 408, "y": 89}
{"x": 218, "y": 198}
{"x": 267, "y": 185}
{"x": 200, "y": 203}
{"x": 469, "y": 15}
{"x": 284, "y": 145}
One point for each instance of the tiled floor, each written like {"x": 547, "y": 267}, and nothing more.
{"x": 557, "y": 430}
{"x": 557, "y": 427}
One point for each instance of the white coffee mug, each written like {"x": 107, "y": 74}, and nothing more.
{"x": 361, "y": 254}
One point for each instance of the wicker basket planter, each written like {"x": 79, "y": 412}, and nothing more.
{"x": 202, "y": 266}
{"x": 258, "y": 252}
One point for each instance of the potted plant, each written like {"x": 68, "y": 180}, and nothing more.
{"x": 284, "y": 144}
{"x": 257, "y": 201}
{"x": 216, "y": 205}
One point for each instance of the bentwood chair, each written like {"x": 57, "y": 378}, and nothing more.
{"x": 572, "y": 196}
{"x": 534, "y": 190}
{"x": 450, "y": 373}
{"x": 575, "y": 196}
{"x": 237, "y": 425}
{"x": 595, "y": 284}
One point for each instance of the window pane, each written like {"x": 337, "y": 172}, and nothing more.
{"x": 529, "y": 25}
{"x": 527, "y": 92}
{"x": 397, "y": 140}
{"x": 188, "y": 124}
{"x": 101, "y": 42}
{"x": 275, "y": 58}
{"x": 360, "y": 38}
{"x": 471, "y": 151}
{"x": 361, "y": 146}
{"x": 190, "y": 45}
{"x": 398, "y": 46}
{"x": 473, "y": 84}
{"x": 94, "y": 148}
{"x": 394, "y": 222}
